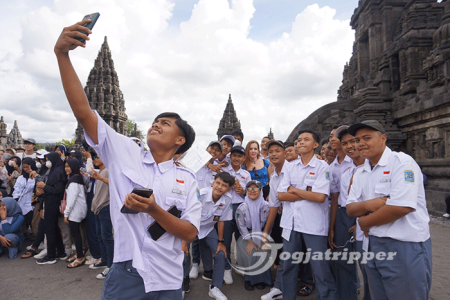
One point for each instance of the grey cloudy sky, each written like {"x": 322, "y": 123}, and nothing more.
{"x": 280, "y": 60}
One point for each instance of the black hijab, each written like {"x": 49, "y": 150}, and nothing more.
{"x": 28, "y": 161}
{"x": 57, "y": 170}
{"x": 75, "y": 177}
{"x": 11, "y": 169}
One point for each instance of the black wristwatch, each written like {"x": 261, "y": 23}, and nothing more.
{"x": 221, "y": 241}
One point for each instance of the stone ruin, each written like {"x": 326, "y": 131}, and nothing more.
{"x": 399, "y": 74}
{"x": 104, "y": 94}
{"x": 13, "y": 139}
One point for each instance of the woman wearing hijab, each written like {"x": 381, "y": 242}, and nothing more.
{"x": 52, "y": 193}
{"x": 76, "y": 208}
{"x": 13, "y": 167}
{"x": 23, "y": 190}
{"x": 251, "y": 216}
{"x": 62, "y": 151}
{"x": 11, "y": 220}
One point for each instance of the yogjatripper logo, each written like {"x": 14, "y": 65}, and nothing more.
{"x": 253, "y": 257}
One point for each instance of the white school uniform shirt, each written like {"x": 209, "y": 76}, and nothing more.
{"x": 306, "y": 216}
{"x": 159, "y": 263}
{"x": 336, "y": 171}
{"x": 213, "y": 212}
{"x": 398, "y": 176}
{"x": 244, "y": 221}
{"x": 23, "y": 190}
{"x": 274, "y": 182}
{"x": 244, "y": 177}
{"x": 204, "y": 177}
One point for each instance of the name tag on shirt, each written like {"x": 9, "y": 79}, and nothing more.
{"x": 180, "y": 192}
{"x": 385, "y": 180}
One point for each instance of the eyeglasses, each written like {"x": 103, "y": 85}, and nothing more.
{"x": 256, "y": 173}
{"x": 253, "y": 189}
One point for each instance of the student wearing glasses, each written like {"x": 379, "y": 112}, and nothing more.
{"x": 256, "y": 166}
{"x": 251, "y": 216}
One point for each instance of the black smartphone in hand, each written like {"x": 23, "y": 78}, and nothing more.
{"x": 140, "y": 192}
{"x": 93, "y": 17}
{"x": 156, "y": 230}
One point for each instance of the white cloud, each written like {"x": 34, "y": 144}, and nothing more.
{"x": 192, "y": 71}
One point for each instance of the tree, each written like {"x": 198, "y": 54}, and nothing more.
{"x": 67, "y": 143}
{"x": 39, "y": 146}
{"x": 131, "y": 125}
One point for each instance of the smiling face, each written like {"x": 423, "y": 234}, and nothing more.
{"x": 67, "y": 169}
{"x": 264, "y": 142}
{"x": 306, "y": 143}
{"x": 370, "y": 143}
{"x": 330, "y": 154}
{"x": 237, "y": 158}
{"x": 215, "y": 151}
{"x": 219, "y": 187}
{"x": 26, "y": 168}
{"x": 226, "y": 146}
{"x": 253, "y": 191}
{"x": 165, "y": 134}
{"x": 334, "y": 141}
{"x": 254, "y": 151}
{"x": 29, "y": 146}
{"x": 348, "y": 145}
{"x": 276, "y": 154}
{"x": 290, "y": 154}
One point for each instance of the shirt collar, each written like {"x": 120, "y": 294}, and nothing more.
{"x": 165, "y": 166}
{"x": 312, "y": 162}
{"x": 275, "y": 173}
{"x": 148, "y": 158}
{"x": 382, "y": 162}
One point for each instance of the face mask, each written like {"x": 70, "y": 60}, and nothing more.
{"x": 11, "y": 163}
{"x": 38, "y": 165}
{"x": 48, "y": 164}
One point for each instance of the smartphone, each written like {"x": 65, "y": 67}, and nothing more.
{"x": 140, "y": 192}
{"x": 93, "y": 17}
{"x": 156, "y": 230}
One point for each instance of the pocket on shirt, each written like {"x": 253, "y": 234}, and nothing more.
{"x": 179, "y": 202}
{"x": 136, "y": 178}
{"x": 383, "y": 189}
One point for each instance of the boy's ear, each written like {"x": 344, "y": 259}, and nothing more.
{"x": 180, "y": 140}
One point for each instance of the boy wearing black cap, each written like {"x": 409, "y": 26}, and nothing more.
{"x": 237, "y": 193}
{"x": 388, "y": 196}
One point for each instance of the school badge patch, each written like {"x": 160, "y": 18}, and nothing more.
{"x": 409, "y": 176}
{"x": 198, "y": 195}
{"x": 327, "y": 175}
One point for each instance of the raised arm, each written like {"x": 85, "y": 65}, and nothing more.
{"x": 71, "y": 84}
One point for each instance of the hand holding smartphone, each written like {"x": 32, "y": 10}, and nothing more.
{"x": 93, "y": 17}
{"x": 140, "y": 192}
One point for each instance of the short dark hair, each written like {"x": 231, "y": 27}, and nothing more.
{"x": 186, "y": 130}
{"x": 324, "y": 141}
{"x": 335, "y": 127}
{"x": 288, "y": 144}
{"x": 226, "y": 177}
{"x": 266, "y": 137}
{"x": 314, "y": 134}
{"x": 237, "y": 132}
{"x": 228, "y": 141}
{"x": 342, "y": 133}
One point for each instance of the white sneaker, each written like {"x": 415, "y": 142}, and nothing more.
{"x": 41, "y": 246}
{"x": 41, "y": 254}
{"x": 92, "y": 261}
{"x": 227, "y": 277}
{"x": 194, "y": 271}
{"x": 446, "y": 215}
{"x": 273, "y": 294}
{"x": 103, "y": 274}
{"x": 216, "y": 293}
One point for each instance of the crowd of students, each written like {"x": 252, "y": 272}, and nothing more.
{"x": 61, "y": 204}
{"x": 356, "y": 200}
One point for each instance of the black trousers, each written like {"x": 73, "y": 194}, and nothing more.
{"x": 29, "y": 218}
{"x": 447, "y": 202}
{"x": 51, "y": 229}
{"x": 75, "y": 232}
{"x": 40, "y": 234}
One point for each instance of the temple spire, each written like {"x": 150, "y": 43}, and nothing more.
{"x": 229, "y": 121}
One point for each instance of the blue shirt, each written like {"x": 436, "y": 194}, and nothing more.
{"x": 261, "y": 175}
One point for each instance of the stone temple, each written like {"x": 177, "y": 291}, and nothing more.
{"x": 229, "y": 121}
{"x": 399, "y": 74}
{"x": 104, "y": 94}
{"x": 13, "y": 139}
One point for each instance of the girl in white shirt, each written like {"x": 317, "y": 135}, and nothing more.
{"x": 76, "y": 209}
{"x": 23, "y": 190}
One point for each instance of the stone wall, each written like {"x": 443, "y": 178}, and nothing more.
{"x": 399, "y": 74}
